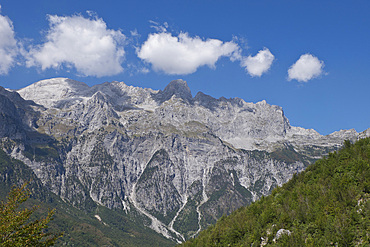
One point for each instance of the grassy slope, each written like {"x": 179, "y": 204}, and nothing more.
{"x": 326, "y": 205}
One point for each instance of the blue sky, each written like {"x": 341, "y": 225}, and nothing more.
{"x": 309, "y": 57}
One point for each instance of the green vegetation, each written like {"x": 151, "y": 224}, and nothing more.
{"x": 100, "y": 157}
{"x": 326, "y": 205}
{"x": 16, "y": 228}
{"x": 188, "y": 215}
{"x": 41, "y": 152}
{"x": 187, "y": 220}
{"x": 289, "y": 155}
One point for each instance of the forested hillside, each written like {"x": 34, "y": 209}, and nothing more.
{"x": 326, "y": 205}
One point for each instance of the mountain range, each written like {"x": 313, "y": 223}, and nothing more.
{"x": 162, "y": 158}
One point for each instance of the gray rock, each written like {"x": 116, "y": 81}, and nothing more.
{"x": 280, "y": 233}
{"x": 182, "y": 162}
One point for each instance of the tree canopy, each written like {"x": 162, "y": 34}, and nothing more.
{"x": 16, "y": 228}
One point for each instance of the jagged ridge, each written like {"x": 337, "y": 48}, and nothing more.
{"x": 103, "y": 140}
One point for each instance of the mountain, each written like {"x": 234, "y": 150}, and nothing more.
{"x": 177, "y": 161}
{"x": 326, "y": 205}
{"x": 80, "y": 227}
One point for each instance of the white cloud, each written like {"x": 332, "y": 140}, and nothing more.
{"x": 83, "y": 43}
{"x": 306, "y": 68}
{"x": 183, "y": 54}
{"x": 8, "y": 45}
{"x": 159, "y": 27}
{"x": 258, "y": 64}
{"x": 134, "y": 33}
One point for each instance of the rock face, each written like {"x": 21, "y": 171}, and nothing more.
{"x": 180, "y": 161}
{"x": 16, "y": 115}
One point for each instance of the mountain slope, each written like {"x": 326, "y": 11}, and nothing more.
{"x": 178, "y": 161}
{"x": 326, "y": 205}
{"x": 98, "y": 226}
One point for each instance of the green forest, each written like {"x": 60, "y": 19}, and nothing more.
{"x": 326, "y": 205}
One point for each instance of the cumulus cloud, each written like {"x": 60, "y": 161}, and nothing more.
{"x": 183, "y": 54}
{"x": 258, "y": 64}
{"x": 8, "y": 45}
{"x": 83, "y": 43}
{"x": 306, "y": 68}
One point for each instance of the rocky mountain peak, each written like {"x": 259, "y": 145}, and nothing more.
{"x": 47, "y": 92}
{"x": 99, "y": 97}
{"x": 177, "y": 87}
{"x": 180, "y": 162}
{"x": 206, "y": 101}
{"x": 203, "y": 97}
{"x": 60, "y": 84}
